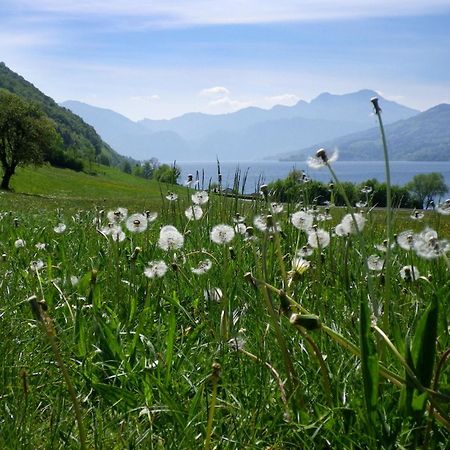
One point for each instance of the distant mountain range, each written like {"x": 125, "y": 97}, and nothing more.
{"x": 78, "y": 137}
{"x": 251, "y": 133}
{"x": 424, "y": 137}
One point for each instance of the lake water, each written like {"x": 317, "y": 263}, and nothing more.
{"x": 266, "y": 171}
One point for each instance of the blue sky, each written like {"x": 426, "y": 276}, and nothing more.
{"x": 162, "y": 58}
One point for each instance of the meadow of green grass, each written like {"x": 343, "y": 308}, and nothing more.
{"x": 259, "y": 351}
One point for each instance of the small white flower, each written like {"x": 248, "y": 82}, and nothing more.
{"x": 19, "y": 243}
{"x": 202, "y": 267}
{"x": 60, "y": 228}
{"x": 41, "y": 246}
{"x": 222, "y": 234}
{"x": 318, "y": 238}
{"x": 37, "y": 265}
{"x": 137, "y": 223}
{"x": 409, "y": 273}
{"x": 170, "y": 238}
{"x": 200, "y": 197}
{"x": 118, "y": 215}
{"x": 74, "y": 280}
{"x": 155, "y": 269}
{"x": 374, "y": 262}
{"x": 194, "y": 212}
{"x": 302, "y": 220}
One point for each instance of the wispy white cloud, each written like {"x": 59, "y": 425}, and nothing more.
{"x": 214, "y": 91}
{"x": 145, "y": 98}
{"x": 195, "y": 12}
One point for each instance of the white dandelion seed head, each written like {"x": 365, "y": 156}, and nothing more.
{"x": 318, "y": 238}
{"x": 213, "y": 294}
{"x": 19, "y": 243}
{"x": 322, "y": 158}
{"x": 276, "y": 208}
{"x": 60, "y": 228}
{"x": 349, "y": 224}
{"x": 302, "y": 220}
{"x": 375, "y": 263}
{"x": 361, "y": 204}
{"x": 74, "y": 280}
{"x": 137, "y": 223}
{"x": 406, "y": 239}
{"x": 41, "y": 246}
{"x": 171, "y": 196}
{"x": 323, "y": 217}
{"x": 236, "y": 343}
{"x": 366, "y": 190}
{"x": 170, "y": 238}
{"x": 194, "y": 212}
{"x": 238, "y": 218}
{"x": 117, "y": 234}
{"x": 409, "y": 273}
{"x": 305, "y": 251}
{"x": 222, "y": 234}
{"x": 444, "y": 208}
{"x": 155, "y": 269}
{"x": 200, "y": 197}
{"x": 428, "y": 246}
{"x": 266, "y": 223}
{"x": 383, "y": 247}
{"x": 118, "y": 215}
{"x": 341, "y": 231}
{"x": 417, "y": 215}
{"x": 202, "y": 267}
{"x": 37, "y": 265}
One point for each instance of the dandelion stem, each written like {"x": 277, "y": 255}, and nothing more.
{"x": 215, "y": 376}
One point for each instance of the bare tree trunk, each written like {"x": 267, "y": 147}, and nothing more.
{"x": 8, "y": 173}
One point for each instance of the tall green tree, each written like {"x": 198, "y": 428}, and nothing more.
{"x": 26, "y": 135}
{"x": 426, "y": 186}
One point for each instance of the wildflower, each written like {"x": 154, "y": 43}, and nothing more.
{"x": 416, "y": 215}
{"x": 170, "y": 238}
{"x": 40, "y": 246}
{"x": 299, "y": 267}
{"x": 202, "y": 267}
{"x": 37, "y": 265}
{"x": 406, "y": 240}
{"x": 302, "y": 220}
{"x": 19, "y": 243}
{"x": 171, "y": 196}
{"x": 409, "y": 273}
{"x": 118, "y": 215}
{"x": 155, "y": 269}
{"x": 200, "y": 198}
{"x": 444, "y": 207}
{"x": 374, "y": 262}
{"x": 194, "y": 212}
{"x": 349, "y": 225}
{"x": 214, "y": 294}
{"x": 222, "y": 234}
{"x": 137, "y": 223}
{"x": 60, "y": 228}
{"x": 321, "y": 159}
{"x": 318, "y": 238}
{"x": 276, "y": 208}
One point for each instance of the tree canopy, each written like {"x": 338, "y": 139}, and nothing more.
{"x": 426, "y": 186}
{"x": 26, "y": 135}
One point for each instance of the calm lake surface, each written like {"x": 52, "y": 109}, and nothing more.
{"x": 260, "y": 172}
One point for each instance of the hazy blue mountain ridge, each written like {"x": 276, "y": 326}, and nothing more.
{"x": 250, "y": 133}
{"x": 424, "y": 137}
